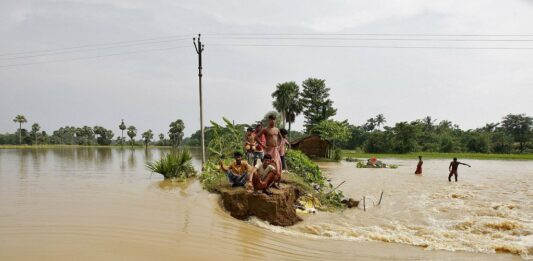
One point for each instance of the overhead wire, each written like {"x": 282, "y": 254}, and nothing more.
{"x": 93, "y": 57}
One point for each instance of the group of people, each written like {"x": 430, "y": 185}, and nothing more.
{"x": 264, "y": 144}
{"x": 454, "y": 165}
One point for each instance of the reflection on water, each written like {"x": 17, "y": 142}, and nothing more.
{"x": 101, "y": 203}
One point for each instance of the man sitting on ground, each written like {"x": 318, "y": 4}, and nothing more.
{"x": 264, "y": 175}
{"x": 238, "y": 171}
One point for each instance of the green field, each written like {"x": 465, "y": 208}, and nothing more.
{"x": 438, "y": 155}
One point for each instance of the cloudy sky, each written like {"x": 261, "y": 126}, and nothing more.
{"x": 96, "y": 62}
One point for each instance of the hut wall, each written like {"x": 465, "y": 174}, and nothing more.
{"x": 313, "y": 146}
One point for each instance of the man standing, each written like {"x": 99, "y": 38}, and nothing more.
{"x": 454, "y": 165}
{"x": 419, "y": 165}
{"x": 238, "y": 171}
{"x": 273, "y": 139}
{"x": 260, "y": 138}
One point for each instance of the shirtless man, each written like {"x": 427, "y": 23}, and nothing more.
{"x": 273, "y": 140}
{"x": 454, "y": 165}
{"x": 260, "y": 139}
{"x": 249, "y": 144}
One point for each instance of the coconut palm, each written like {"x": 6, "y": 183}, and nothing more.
{"x": 285, "y": 94}
{"x": 380, "y": 120}
{"x": 20, "y": 119}
{"x": 428, "y": 122}
{"x": 122, "y": 127}
{"x": 287, "y": 102}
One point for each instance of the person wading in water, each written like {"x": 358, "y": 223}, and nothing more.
{"x": 454, "y": 165}
{"x": 419, "y": 165}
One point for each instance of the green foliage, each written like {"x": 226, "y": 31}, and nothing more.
{"x": 337, "y": 154}
{"x": 147, "y": 137}
{"x": 212, "y": 178}
{"x": 175, "y": 133}
{"x": 104, "y": 135}
{"x": 175, "y": 164}
{"x": 304, "y": 167}
{"x": 225, "y": 140}
{"x": 519, "y": 126}
{"x": 132, "y": 132}
{"x": 286, "y": 102}
{"x": 316, "y": 105}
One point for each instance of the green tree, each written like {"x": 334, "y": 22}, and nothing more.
{"x": 147, "y": 137}
{"x": 316, "y": 105}
{"x": 175, "y": 133}
{"x": 370, "y": 124}
{"x": 132, "y": 132}
{"x": 519, "y": 127}
{"x": 104, "y": 135}
{"x": 286, "y": 102}
{"x": 332, "y": 131}
{"x": 122, "y": 127}
{"x": 85, "y": 135}
{"x": 35, "y": 132}
{"x": 380, "y": 120}
{"x": 161, "y": 139}
{"x": 405, "y": 137}
{"x": 20, "y": 119}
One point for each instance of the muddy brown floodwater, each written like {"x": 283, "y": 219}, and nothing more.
{"x": 102, "y": 204}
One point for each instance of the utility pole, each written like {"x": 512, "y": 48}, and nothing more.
{"x": 199, "y": 49}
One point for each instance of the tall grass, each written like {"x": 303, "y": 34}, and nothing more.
{"x": 175, "y": 164}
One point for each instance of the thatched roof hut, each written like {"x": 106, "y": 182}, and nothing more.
{"x": 312, "y": 146}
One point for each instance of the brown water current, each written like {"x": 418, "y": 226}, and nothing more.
{"x": 102, "y": 204}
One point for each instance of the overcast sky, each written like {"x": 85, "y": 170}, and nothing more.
{"x": 149, "y": 89}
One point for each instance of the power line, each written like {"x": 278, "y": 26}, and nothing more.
{"x": 371, "y": 39}
{"x": 376, "y": 46}
{"x": 92, "y": 57}
{"x": 91, "y": 49}
{"x": 97, "y": 44}
{"x": 382, "y": 34}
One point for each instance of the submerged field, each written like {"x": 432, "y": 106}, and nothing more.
{"x": 89, "y": 203}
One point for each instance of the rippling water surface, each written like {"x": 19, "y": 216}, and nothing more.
{"x": 101, "y": 204}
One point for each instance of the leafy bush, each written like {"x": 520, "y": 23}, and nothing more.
{"x": 301, "y": 165}
{"x": 175, "y": 164}
{"x": 337, "y": 154}
{"x": 225, "y": 140}
{"x": 212, "y": 178}
{"x": 305, "y": 174}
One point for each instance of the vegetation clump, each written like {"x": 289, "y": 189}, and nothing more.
{"x": 176, "y": 164}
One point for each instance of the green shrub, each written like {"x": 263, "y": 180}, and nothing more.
{"x": 337, "y": 154}
{"x": 212, "y": 178}
{"x": 175, "y": 164}
{"x": 302, "y": 165}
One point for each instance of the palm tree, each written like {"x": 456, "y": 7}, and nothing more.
{"x": 284, "y": 96}
{"x": 287, "y": 102}
{"x": 122, "y": 127}
{"x": 132, "y": 132}
{"x": 428, "y": 122}
{"x": 20, "y": 119}
{"x": 380, "y": 120}
{"x": 147, "y": 136}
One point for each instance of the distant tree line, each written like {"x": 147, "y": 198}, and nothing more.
{"x": 87, "y": 135}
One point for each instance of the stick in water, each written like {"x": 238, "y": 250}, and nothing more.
{"x": 379, "y": 203}
{"x": 364, "y": 204}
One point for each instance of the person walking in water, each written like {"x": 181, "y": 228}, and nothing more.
{"x": 419, "y": 165}
{"x": 454, "y": 165}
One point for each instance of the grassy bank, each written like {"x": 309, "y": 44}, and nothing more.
{"x": 438, "y": 155}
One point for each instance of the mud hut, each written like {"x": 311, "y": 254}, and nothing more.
{"x": 312, "y": 146}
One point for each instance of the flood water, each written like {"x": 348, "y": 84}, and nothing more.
{"x": 102, "y": 204}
